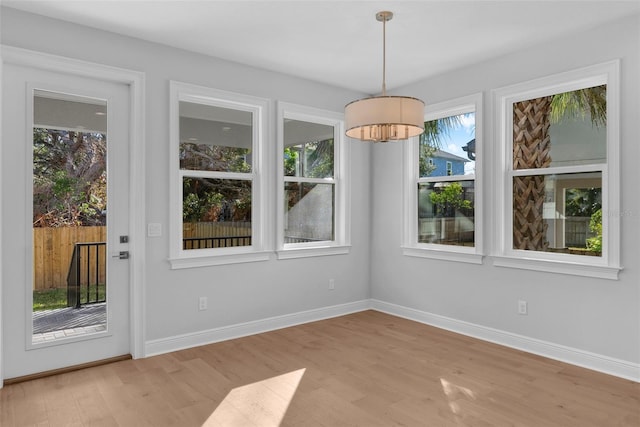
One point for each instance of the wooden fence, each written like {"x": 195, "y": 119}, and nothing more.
{"x": 216, "y": 229}
{"x": 53, "y": 249}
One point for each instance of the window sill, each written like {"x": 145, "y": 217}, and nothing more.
{"x": 444, "y": 254}
{"x": 561, "y": 267}
{"x": 210, "y": 260}
{"x": 307, "y": 252}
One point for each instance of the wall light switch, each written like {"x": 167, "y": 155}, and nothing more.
{"x": 154, "y": 229}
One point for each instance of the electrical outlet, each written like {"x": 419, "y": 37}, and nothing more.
{"x": 522, "y": 307}
{"x": 202, "y": 303}
{"x": 332, "y": 284}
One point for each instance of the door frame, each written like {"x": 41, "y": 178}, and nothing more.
{"x": 136, "y": 82}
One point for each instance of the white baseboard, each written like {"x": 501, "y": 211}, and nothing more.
{"x": 596, "y": 362}
{"x": 180, "y": 342}
{"x": 585, "y": 359}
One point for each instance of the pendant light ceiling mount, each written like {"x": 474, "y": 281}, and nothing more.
{"x": 384, "y": 16}
{"x": 384, "y": 118}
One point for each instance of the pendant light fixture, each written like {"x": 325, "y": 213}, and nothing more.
{"x": 384, "y": 118}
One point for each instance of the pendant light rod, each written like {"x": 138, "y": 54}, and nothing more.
{"x": 383, "y": 17}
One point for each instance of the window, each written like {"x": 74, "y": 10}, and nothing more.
{"x": 442, "y": 191}
{"x": 217, "y": 200}
{"x": 560, "y": 178}
{"x": 312, "y": 219}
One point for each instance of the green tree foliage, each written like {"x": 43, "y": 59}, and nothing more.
{"x": 320, "y": 159}
{"x": 210, "y": 200}
{"x": 290, "y": 161}
{"x": 579, "y": 103}
{"x": 213, "y": 158}
{"x": 196, "y": 207}
{"x": 449, "y": 199}
{"x": 583, "y": 202}
{"x": 312, "y": 159}
{"x": 426, "y": 152}
{"x": 595, "y": 225}
{"x": 206, "y": 200}
{"x": 69, "y": 178}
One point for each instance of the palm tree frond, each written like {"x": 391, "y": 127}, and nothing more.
{"x": 435, "y": 130}
{"x": 579, "y": 103}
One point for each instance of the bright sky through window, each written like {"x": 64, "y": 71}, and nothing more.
{"x": 459, "y": 137}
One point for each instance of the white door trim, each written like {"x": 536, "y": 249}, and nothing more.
{"x": 136, "y": 81}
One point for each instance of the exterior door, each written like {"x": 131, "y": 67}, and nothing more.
{"x": 65, "y": 216}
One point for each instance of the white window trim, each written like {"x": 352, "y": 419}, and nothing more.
{"x": 608, "y": 265}
{"x": 411, "y": 247}
{"x": 259, "y": 107}
{"x": 341, "y": 180}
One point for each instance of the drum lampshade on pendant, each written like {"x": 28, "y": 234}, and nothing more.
{"x": 384, "y": 118}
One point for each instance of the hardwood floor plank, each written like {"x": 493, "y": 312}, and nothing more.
{"x": 366, "y": 369}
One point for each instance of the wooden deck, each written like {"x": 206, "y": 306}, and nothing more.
{"x": 64, "y": 322}
{"x": 69, "y": 318}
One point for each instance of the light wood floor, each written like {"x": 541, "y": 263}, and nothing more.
{"x": 367, "y": 369}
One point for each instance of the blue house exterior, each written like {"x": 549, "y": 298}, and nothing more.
{"x": 447, "y": 164}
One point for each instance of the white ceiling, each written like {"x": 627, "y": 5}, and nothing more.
{"x": 340, "y": 42}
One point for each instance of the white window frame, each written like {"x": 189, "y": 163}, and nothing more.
{"x": 411, "y": 246}
{"x": 259, "y": 107}
{"x": 342, "y": 208}
{"x": 608, "y": 265}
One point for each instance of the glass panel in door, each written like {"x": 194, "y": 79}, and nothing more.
{"x": 69, "y": 216}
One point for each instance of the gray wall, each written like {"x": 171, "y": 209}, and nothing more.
{"x": 592, "y": 315}
{"x": 236, "y": 293}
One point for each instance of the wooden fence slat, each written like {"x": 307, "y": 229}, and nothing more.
{"x": 38, "y": 259}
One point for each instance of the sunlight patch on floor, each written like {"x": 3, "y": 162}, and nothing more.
{"x": 263, "y": 403}
{"x": 454, "y": 393}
